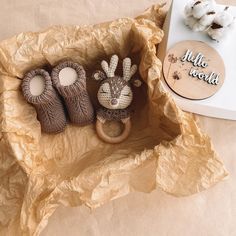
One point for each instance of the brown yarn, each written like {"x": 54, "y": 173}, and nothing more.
{"x": 113, "y": 115}
{"x": 117, "y": 83}
{"x": 76, "y": 97}
{"x": 48, "y": 105}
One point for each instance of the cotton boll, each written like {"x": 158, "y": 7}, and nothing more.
{"x": 204, "y": 22}
{"x": 224, "y": 19}
{"x": 207, "y": 19}
{"x": 200, "y": 8}
{"x": 200, "y": 24}
{"x": 188, "y": 10}
{"x": 221, "y": 25}
{"x": 217, "y": 34}
{"x": 190, "y": 22}
{"x": 197, "y": 27}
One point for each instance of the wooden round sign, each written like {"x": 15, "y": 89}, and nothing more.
{"x": 194, "y": 70}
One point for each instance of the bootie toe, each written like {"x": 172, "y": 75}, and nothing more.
{"x": 70, "y": 80}
{"x": 38, "y": 90}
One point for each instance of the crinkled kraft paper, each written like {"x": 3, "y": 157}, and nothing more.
{"x": 38, "y": 172}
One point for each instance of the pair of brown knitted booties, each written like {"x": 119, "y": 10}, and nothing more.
{"x": 50, "y": 106}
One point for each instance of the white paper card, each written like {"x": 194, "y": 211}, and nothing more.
{"x": 223, "y": 103}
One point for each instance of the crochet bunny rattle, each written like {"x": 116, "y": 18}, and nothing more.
{"x": 115, "y": 96}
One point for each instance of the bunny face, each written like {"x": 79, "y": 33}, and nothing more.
{"x": 115, "y": 93}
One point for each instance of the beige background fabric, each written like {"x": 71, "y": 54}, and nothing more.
{"x": 211, "y": 212}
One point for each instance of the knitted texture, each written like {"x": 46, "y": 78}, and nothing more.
{"x": 113, "y": 115}
{"x": 115, "y": 89}
{"x": 115, "y": 94}
{"x": 128, "y": 70}
{"x": 76, "y": 97}
{"x": 111, "y": 68}
{"x": 48, "y": 105}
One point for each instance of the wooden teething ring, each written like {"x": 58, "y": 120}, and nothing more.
{"x": 113, "y": 140}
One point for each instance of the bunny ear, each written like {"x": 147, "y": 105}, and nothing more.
{"x": 128, "y": 70}
{"x": 99, "y": 75}
{"x": 111, "y": 68}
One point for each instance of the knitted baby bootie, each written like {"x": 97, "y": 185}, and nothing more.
{"x": 38, "y": 90}
{"x": 70, "y": 80}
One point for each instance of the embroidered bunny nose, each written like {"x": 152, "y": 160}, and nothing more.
{"x": 114, "y": 102}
